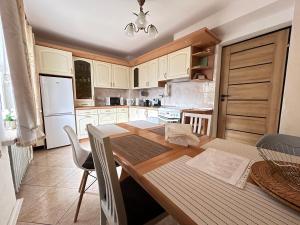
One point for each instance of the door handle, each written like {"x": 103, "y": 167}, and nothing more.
{"x": 223, "y": 97}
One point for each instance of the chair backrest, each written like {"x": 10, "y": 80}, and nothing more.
{"x": 111, "y": 199}
{"x": 196, "y": 122}
{"x": 79, "y": 154}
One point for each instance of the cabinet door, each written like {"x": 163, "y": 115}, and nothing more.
{"x": 133, "y": 114}
{"x": 141, "y": 114}
{"x": 152, "y": 73}
{"x": 179, "y": 63}
{"x": 134, "y": 82}
{"x": 53, "y": 61}
{"x": 152, "y": 113}
{"x": 82, "y": 121}
{"x": 83, "y": 73}
{"x": 162, "y": 68}
{"x": 107, "y": 118}
{"x": 102, "y": 74}
{"x": 122, "y": 117}
{"x": 143, "y": 75}
{"x": 120, "y": 77}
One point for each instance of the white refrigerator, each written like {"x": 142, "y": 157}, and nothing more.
{"x": 58, "y": 109}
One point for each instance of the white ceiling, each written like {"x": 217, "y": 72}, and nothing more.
{"x": 99, "y": 24}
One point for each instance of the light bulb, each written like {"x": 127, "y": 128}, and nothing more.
{"x": 130, "y": 29}
{"x": 152, "y": 31}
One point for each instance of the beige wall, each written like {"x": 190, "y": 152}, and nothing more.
{"x": 290, "y": 117}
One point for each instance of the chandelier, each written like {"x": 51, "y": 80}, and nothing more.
{"x": 141, "y": 24}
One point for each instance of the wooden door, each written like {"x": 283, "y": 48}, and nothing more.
{"x": 152, "y": 73}
{"x": 120, "y": 77}
{"x": 162, "y": 68}
{"x": 102, "y": 74}
{"x": 251, "y": 87}
{"x": 179, "y": 63}
{"x": 54, "y": 62}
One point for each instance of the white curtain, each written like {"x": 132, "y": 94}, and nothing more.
{"x": 15, "y": 34}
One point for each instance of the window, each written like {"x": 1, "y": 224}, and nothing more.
{"x": 6, "y": 93}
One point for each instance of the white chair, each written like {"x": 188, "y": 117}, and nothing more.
{"x": 83, "y": 160}
{"x": 196, "y": 122}
{"x": 124, "y": 202}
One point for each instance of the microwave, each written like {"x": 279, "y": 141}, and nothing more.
{"x": 113, "y": 101}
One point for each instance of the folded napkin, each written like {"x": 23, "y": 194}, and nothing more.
{"x": 180, "y": 134}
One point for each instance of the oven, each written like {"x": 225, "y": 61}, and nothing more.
{"x": 169, "y": 114}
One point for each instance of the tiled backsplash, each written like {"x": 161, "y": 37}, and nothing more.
{"x": 185, "y": 94}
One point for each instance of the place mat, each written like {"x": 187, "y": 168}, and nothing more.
{"x": 137, "y": 149}
{"x": 111, "y": 129}
{"x": 142, "y": 124}
{"x": 159, "y": 130}
{"x": 207, "y": 200}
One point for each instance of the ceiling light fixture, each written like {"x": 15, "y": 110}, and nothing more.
{"x": 141, "y": 24}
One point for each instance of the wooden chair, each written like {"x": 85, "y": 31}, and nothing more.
{"x": 83, "y": 160}
{"x": 196, "y": 122}
{"x": 124, "y": 202}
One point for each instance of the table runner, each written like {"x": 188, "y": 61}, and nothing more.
{"x": 207, "y": 200}
{"x": 159, "y": 130}
{"x": 137, "y": 149}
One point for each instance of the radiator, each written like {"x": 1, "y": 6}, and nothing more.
{"x": 20, "y": 157}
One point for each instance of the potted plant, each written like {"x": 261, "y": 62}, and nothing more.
{"x": 10, "y": 121}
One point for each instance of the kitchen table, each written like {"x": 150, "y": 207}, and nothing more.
{"x": 190, "y": 197}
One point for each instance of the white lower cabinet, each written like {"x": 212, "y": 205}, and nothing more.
{"x": 122, "y": 117}
{"x": 111, "y": 116}
{"x": 82, "y": 121}
{"x": 137, "y": 114}
{"x": 107, "y": 118}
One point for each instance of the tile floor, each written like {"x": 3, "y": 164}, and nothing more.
{"x": 50, "y": 192}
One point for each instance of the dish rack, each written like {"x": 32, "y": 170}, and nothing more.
{"x": 282, "y": 153}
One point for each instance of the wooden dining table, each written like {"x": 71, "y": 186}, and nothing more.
{"x": 137, "y": 171}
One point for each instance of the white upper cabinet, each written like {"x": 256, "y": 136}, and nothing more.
{"x": 143, "y": 75}
{"x": 162, "y": 68}
{"x": 147, "y": 74}
{"x": 152, "y": 73}
{"x": 53, "y": 61}
{"x": 108, "y": 75}
{"x": 102, "y": 74}
{"x": 120, "y": 77}
{"x": 179, "y": 63}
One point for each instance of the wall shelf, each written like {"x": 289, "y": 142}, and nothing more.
{"x": 201, "y": 68}
{"x": 202, "y": 62}
{"x": 202, "y": 54}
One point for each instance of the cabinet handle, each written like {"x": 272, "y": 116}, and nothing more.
{"x": 188, "y": 71}
{"x": 165, "y": 75}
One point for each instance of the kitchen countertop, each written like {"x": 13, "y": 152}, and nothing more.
{"x": 114, "y": 106}
{"x": 199, "y": 111}
{"x": 190, "y": 110}
{"x": 100, "y": 107}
